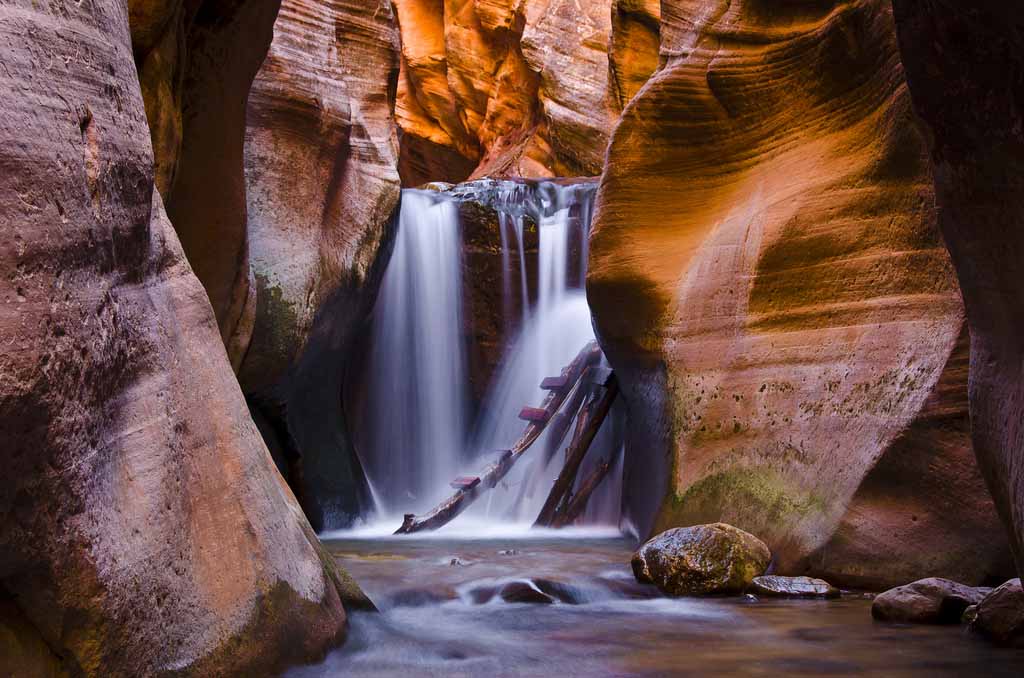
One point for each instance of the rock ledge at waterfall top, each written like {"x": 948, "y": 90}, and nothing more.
{"x": 701, "y": 560}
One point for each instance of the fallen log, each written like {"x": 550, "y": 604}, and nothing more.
{"x": 449, "y": 509}
{"x": 559, "y": 425}
{"x": 578, "y": 503}
{"x": 592, "y": 415}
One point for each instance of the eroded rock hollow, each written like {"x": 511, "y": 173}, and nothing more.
{"x": 788, "y": 326}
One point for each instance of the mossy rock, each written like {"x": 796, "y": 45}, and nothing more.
{"x": 701, "y": 560}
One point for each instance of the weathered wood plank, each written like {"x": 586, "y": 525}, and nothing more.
{"x": 592, "y": 415}
{"x": 449, "y": 509}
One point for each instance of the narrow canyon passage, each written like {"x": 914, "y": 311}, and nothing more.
{"x": 511, "y": 338}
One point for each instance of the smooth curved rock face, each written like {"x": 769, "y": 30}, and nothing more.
{"x": 528, "y": 88}
{"x": 793, "y": 587}
{"x": 928, "y": 601}
{"x": 196, "y": 61}
{"x": 965, "y": 68}
{"x": 701, "y": 560}
{"x": 1000, "y": 615}
{"x": 768, "y": 281}
{"x": 321, "y": 160}
{"x": 143, "y": 528}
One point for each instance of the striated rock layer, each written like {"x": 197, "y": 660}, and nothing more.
{"x": 196, "y": 61}
{"x": 769, "y": 283}
{"x": 143, "y": 528}
{"x": 965, "y": 68}
{"x": 321, "y": 168}
{"x": 527, "y": 88}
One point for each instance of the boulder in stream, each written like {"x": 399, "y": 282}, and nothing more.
{"x": 927, "y": 601}
{"x": 1000, "y": 615}
{"x": 793, "y": 587}
{"x": 701, "y": 560}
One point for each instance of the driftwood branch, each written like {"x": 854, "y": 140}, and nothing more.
{"x": 561, "y": 422}
{"x": 447, "y": 510}
{"x": 591, "y": 416}
{"x": 574, "y": 509}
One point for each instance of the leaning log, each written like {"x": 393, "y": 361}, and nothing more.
{"x": 559, "y": 425}
{"x": 578, "y": 503}
{"x": 447, "y": 510}
{"x": 592, "y": 415}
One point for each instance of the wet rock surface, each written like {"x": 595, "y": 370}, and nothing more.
{"x": 701, "y": 560}
{"x": 793, "y": 587}
{"x": 928, "y": 601}
{"x": 1000, "y": 615}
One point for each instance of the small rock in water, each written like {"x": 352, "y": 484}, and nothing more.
{"x": 750, "y": 598}
{"x": 794, "y": 587}
{"x": 1000, "y": 615}
{"x": 523, "y": 592}
{"x": 459, "y": 562}
{"x": 927, "y": 601}
{"x": 701, "y": 560}
{"x": 508, "y": 552}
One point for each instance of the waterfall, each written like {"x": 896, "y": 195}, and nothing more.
{"x": 418, "y": 393}
{"x": 420, "y": 437}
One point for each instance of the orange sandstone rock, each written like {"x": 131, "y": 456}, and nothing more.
{"x": 768, "y": 280}
{"x": 321, "y": 166}
{"x": 526, "y": 88}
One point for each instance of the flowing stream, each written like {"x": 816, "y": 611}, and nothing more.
{"x": 441, "y": 615}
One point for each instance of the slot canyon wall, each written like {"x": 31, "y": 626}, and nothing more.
{"x": 527, "y": 88}
{"x": 321, "y": 158}
{"x": 143, "y": 527}
{"x": 787, "y": 326}
{"x": 767, "y": 277}
{"x": 965, "y": 69}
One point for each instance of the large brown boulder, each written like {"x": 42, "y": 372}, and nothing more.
{"x": 928, "y": 601}
{"x": 321, "y": 159}
{"x": 143, "y": 528}
{"x": 769, "y": 283}
{"x": 1000, "y": 615}
{"x": 965, "y": 68}
{"x": 701, "y": 560}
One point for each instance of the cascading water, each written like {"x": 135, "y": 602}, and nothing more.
{"x": 418, "y": 390}
{"x": 419, "y": 437}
